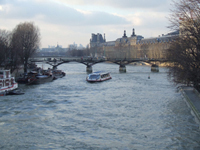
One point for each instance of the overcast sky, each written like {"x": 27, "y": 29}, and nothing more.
{"x": 68, "y": 21}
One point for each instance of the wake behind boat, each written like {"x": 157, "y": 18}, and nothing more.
{"x": 98, "y": 76}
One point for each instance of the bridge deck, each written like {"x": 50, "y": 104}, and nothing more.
{"x": 92, "y": 61}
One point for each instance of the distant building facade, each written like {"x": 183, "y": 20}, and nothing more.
{"x": 97, "y": 39}
{"x": 74, "y": 46}
{"x": 53, "y": 51}
{"x": 135, "y": 46}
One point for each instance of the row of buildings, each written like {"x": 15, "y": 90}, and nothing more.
{"x": 135, "y": 46}
{"x": 59, "y": 50}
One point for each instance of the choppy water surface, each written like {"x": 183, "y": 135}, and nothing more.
{"x": 129, "y": 111}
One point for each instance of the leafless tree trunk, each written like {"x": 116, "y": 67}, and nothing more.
{"x": 184, "y": 53}
{"x": 96, "y": 51}
{"x": 4, "y": 47}
{"x": 25, "y": 41}
{"x": 145, "y": 51}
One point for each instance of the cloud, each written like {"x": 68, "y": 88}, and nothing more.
{"x": 2, "y": 2}
{"x": 56, "y": 13}
{"x": 130, "y": 4}
{"x": 68, "y": 21}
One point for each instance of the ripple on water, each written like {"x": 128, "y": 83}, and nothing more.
{"x": 129, "y": 111}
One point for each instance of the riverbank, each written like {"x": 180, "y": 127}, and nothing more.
{"x": 192, "y": 98}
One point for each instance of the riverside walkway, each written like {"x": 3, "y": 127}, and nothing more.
{"x": 192, "y": 97}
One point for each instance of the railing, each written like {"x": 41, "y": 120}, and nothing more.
{"x": 91, "y": 61}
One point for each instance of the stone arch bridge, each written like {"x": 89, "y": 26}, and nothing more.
{"x": 89, "y": 62}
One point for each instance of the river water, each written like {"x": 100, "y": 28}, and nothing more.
{"x": 128, "y": 112}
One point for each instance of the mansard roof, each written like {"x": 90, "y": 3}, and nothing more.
{"x": 109, "y": 43}
{"x": 123, "y": 40}
{"x": 162, "y": 39}
{"x": 139, "y": 39}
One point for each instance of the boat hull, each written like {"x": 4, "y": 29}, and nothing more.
{"x": 15, "y": 92}
{"x": 4, "y": 91}
{"x": 39, "y": 80}
{"x": 22, "y": 80}
{"x": 99, "y": 80}
{"x": 56, "y": 76}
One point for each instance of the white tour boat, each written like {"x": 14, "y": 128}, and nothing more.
{"x": 7, "y": 83}
{"x": 98, "y": 76}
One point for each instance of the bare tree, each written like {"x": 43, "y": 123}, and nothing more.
{"x": 145, "y": 51}
{"x": 93, "y": 50}
{"x": 87, "y": 51}
{"x": 4, "y": 47}
{"x": 184, "y": 53}
{"x": 25, "y": 41}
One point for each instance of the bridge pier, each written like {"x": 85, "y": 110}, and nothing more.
{"x": 122, "y": 68}
{"x": 89, "y": 69}
{"x": 154, "y": 68}
{"x": 54, "y": 67}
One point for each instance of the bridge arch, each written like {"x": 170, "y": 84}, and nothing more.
{"x": 90, "y": 62}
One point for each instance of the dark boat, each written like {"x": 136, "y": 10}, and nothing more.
{"x": 36, "y": 77}
{"x": 58, "y": 74}
{"x": 23, "y": 79}
{"x": 15, "y": 92}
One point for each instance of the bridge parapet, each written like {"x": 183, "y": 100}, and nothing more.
{"x": 89, "y": 62}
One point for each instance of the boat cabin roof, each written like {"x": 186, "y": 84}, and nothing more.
{"x": 1, "y": 71}
{"x": 99, "y": 73}
{"x": 33, "y": 72}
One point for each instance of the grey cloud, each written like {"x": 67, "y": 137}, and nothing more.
{"x": 102, "y": 18}
{"x": 58, "y": 14}
{"x": 3, "y": 1}
{"x": 136, "y": 3}
{"x": 124, "y": 4}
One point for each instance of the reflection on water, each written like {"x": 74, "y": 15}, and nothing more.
{"x": 129, "y": 111}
